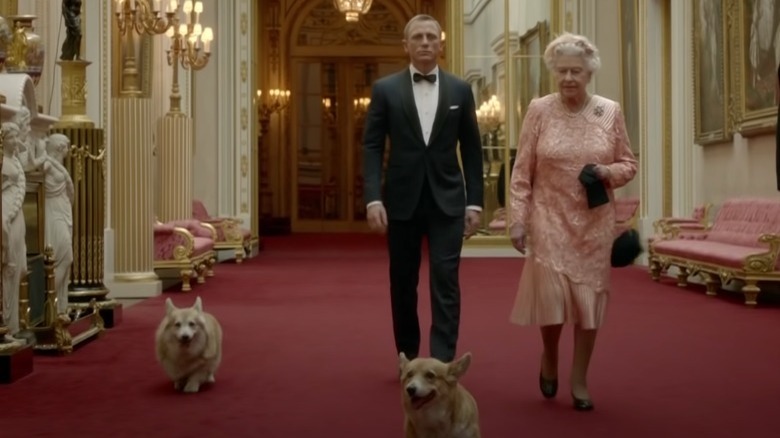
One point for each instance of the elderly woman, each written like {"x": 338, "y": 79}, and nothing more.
{"x": 565, "y": 277}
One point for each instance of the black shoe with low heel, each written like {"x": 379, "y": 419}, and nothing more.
{"x": 582, "y": 404}
{"x": 549, "y": 388}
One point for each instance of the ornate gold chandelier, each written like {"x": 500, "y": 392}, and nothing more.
{"x": 353, "y": 8}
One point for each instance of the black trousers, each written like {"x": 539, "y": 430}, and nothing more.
{"x": 445, "y": 240}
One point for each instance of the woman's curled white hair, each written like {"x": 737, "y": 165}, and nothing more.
{"x": 569, "y": 44}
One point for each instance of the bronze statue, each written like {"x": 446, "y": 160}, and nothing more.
{"x": 71, "y": 12}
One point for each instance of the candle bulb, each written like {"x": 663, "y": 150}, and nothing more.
{"x": 156, "y": 6}
{"x": 207, "y": 37}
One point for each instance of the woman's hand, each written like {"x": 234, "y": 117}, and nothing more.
{"x": 602, "y": 172}
{"x": 517, "y": 236}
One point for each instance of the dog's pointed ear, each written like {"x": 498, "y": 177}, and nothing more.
{"x": 459, "y": 367}
{"x": 198, "y": 305}
{"x": 402, "y": 360}
{"x": 169, "y": 307}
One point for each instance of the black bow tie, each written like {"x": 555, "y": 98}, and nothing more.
{"x": 419, "y": 77}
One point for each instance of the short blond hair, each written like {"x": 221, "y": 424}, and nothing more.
{"x": 569, "y": 44}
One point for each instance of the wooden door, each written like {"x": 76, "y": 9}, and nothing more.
{"x": 331, "y": 98}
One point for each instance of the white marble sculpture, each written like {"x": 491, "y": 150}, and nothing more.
{"x": 32, "y": 151}
{"x": 14, "y": 229}
{"x": 59, "y": 214}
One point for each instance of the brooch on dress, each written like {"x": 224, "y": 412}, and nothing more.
{"x": 599, "y": 111}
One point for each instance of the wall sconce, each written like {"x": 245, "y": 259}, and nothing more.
{"x": 490, "y": 115}
{"x": 276, "y": 101}
{"x": 361, "y": 107}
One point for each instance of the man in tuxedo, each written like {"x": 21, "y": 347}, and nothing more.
{"x": 425, "y": 112}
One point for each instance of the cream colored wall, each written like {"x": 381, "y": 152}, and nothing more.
{"x": 744, "y": 167}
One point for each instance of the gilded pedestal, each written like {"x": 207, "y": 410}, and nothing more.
{"x": 174, "y": 134}
{"x": 86, "y": 165}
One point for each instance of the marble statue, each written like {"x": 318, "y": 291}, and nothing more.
{"x": 32, "y": 150}
{"x": 59, "y": 214}
{"x": 71, "y": 13}
{"x": 14, "y": 245}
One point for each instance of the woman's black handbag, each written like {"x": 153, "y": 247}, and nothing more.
{"x": 626, "y": 248}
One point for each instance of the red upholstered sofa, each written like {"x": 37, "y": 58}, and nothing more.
{"x": 742, "y": 244}
{"x": 230, "y": 234}
{"x": 186, "y": 246}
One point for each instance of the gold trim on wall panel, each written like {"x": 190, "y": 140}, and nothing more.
{"x": 454, "y": 45}
{"x": 668, "y": 159}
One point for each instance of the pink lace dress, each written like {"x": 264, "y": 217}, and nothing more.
{"x": 566, "y": 274}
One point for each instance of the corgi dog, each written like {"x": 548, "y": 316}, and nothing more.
{"x": 435, "y": 404}
{"x": 189, "y": 345}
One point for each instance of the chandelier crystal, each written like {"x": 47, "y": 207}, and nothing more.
{"x": 353, "y": 8}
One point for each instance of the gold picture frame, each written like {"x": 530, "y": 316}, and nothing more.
{"x": 754, "y": 60}
{"x": 713, "y": 122}
{"x": 629, "y": 74}
{"x": 534, "y": 79}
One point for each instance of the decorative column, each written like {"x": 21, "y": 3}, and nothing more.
{"x": 132, "y": 190}
{"x": 16, "y": 357}
{"x": 174, "y": 130}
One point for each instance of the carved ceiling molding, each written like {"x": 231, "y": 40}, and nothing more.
{"x": 312, "y": 24}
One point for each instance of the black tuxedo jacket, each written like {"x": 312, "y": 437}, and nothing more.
{"x": 393, "y": 113}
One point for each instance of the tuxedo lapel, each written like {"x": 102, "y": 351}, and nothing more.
{"x": 410, "y": 108}
{"x": 443, "y": 107}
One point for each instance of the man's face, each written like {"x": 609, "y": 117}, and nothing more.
{"x": 423, "y": 43}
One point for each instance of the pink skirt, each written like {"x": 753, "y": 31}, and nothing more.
{"x": 549, "y": 297}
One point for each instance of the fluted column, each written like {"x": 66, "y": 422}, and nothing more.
{"x": 132, "y": 194}
{"x": 174, "y": 135}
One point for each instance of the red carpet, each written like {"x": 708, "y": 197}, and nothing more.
{"x": 309, "y": 353}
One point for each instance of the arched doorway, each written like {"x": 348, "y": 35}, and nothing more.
{"x": 332, "y": 66}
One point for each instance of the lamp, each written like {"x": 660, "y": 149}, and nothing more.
{"x": 187, "y": 41}
{"x": 144, "y": 17}
{"x": 353, "y": 8}
{"x": 276, "y": 101}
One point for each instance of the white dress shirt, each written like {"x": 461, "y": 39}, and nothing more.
{"x": 426, "y": 99}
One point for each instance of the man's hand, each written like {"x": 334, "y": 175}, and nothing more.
{"x": 517, "y": 235}
{"x": 473, "y": 219}
{"x": 377, "y": 218}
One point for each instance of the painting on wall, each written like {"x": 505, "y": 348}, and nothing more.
{"x": 756, "y": 52}
{"x": 629, "y": 62}
{"x": 710, "y": 78}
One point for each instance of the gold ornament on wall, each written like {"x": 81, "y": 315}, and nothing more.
{"x": 244, "y": 119}
{"x": 244, "y": 23}
{"x": 244, "y": 165}
{"x": 243, "y": 71}
{"x": 244, "y": 208}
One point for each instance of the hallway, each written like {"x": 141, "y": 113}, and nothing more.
{"x": 308, "y": 353}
